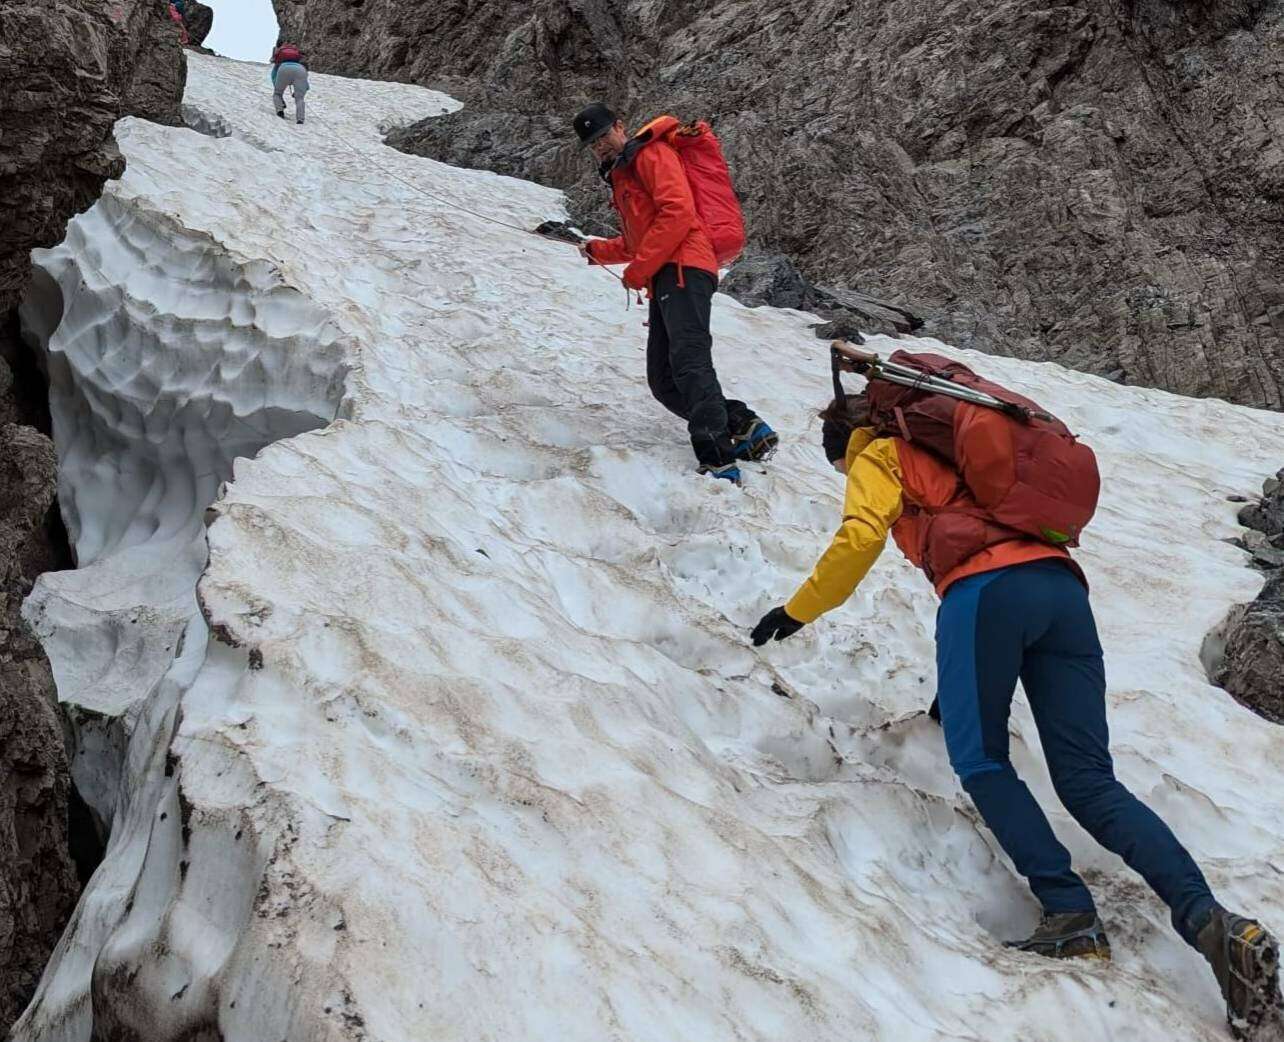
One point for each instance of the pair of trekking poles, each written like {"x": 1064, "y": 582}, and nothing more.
{"x": 846, "y": 357}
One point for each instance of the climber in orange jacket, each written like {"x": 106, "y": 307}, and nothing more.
{"x": 1015, "y": 607}
{"x": 657, "y": 213}
{"x": 668, "y": 252}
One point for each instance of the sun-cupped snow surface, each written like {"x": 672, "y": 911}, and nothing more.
{"x": 477, "y": 748}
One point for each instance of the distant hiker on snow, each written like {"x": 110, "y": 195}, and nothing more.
{"x": 176, "y": 16}
{"x": 986, "y": 504}
{"x": 289, "y": 69}
{"x": 680, "y": 220}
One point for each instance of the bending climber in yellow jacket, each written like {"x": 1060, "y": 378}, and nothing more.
{"x": 1013, "y": 607}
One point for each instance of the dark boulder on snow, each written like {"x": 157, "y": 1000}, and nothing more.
{"x": 1267, "y": 515}
{"x": 1252, "y": 666}
{"x": 774, "y": 280}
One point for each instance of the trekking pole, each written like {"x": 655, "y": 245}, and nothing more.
{"x": 559, "y": 231}
{"x": 847, "y": 358}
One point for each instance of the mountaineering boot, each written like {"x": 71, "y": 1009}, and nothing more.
{"x": 1245, "y": 959}
{"x": 281, "y": 113}
{"x": 299, "y": 122}
{"x": 1067, "y": 935}
{"x": 756, "y": 441}
{"x": 728, "y": 471}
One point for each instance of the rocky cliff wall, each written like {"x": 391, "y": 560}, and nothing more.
{"x": 38, "y": 884}
{"x": 71, "y": 68}
{"x": 1099, "y": 184}
{"x": 199, "y": 20}
{"x": 68, "y": 70}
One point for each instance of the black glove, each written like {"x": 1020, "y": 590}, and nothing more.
{"x": 776, "y": 623}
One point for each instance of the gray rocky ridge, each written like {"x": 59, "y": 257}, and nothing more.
{"x": 1100, "y": 185}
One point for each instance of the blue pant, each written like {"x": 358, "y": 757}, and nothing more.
{"x": 1033, "y": 621}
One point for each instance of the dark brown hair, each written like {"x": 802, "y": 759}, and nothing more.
{"x": 853, "y": 412}
{"x": 838, "y": 420}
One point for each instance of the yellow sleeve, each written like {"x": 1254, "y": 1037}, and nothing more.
{"x": 871, "y": 506}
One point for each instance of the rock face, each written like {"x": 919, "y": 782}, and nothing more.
{"x": 69, "y": 70}
{"x": 199, "y": 20}
{"x": 1098, "y": 184}
{"x": 38, "y": 885}
{"x": 1252, "y": 667}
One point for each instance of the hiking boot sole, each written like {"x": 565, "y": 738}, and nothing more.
{"x": 1075, "y": 948}
{"x": 1253, "y": 1006}
{"x": 1086, "y": 944}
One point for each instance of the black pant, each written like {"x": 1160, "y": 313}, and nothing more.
{"x": 679, "y": 363}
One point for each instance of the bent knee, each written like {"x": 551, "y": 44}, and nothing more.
{"x": 970, "y": 769}
{"x": 1085, "y": 793}
{"x": 668, "y": 395}
{"x": 694, "y": 370}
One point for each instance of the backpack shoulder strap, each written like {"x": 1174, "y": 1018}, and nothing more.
{"x": 658, "y": 129}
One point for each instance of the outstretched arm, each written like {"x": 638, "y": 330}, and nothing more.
{"x": 872, "y": 504}
{"x": 607, "y": 251}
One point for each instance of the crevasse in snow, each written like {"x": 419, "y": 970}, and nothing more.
{"x": 458, "y": 734}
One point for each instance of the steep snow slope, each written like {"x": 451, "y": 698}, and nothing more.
{"x": 474, "y": 746}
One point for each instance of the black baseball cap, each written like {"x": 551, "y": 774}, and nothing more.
{"x": 593, "y": 122}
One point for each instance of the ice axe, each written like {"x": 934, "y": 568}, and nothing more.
{"x": 846, "y": 357}
{"x": 559, "y": 231}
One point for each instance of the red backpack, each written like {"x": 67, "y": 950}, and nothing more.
{"x": 287, "y": 52}
{"x": 715, "y": 199}
{"x": 1030, "y": 474}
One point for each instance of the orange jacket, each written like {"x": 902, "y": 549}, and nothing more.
{"x": 894, "y": 486}
{"x": 660, "y": 225}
